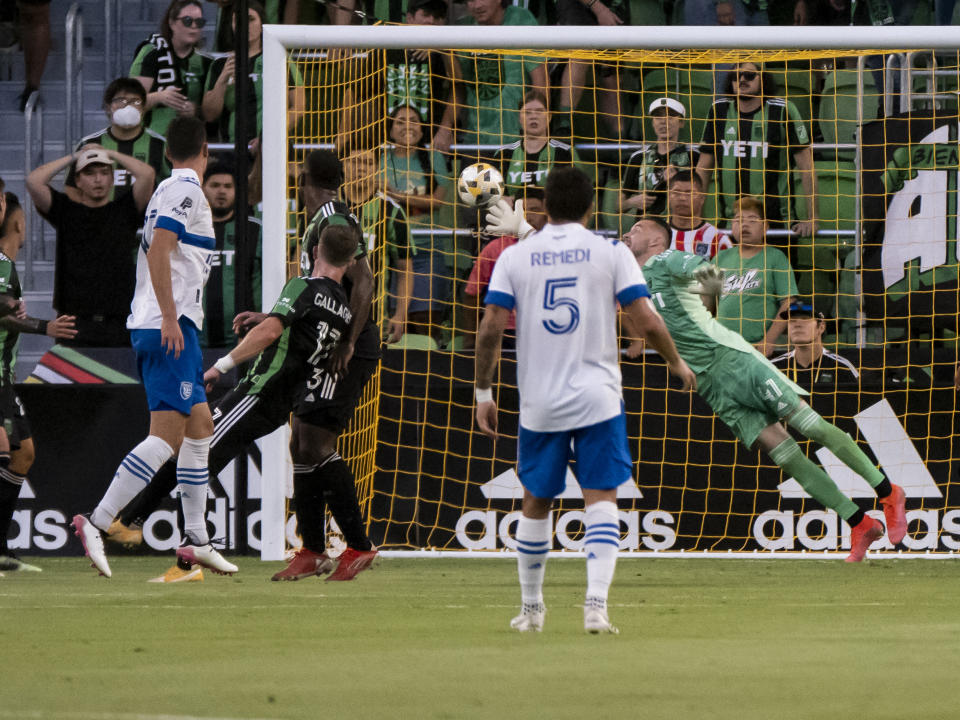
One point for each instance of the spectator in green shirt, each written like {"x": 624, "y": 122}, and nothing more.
{"x": 758, "y": 281}
{"x": 170, "y": 67}
{"x": 492, "y": 84}
{"x": 124, "y": 101}
{"x": 219, "y": 102}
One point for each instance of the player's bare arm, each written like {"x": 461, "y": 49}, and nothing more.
{"x": 256, "y": 341}
{"x": 61, "y": 328}
{"x": 648, "y": 321}
{"x": 361, "y": 297}
{"x": 489, "y": 338}
{"x": 158, "y": 261}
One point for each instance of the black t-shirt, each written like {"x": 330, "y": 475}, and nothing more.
{"x": 828, "y": 372}
{"x": 646, "y": 172}
{"x": 95, "y": 258}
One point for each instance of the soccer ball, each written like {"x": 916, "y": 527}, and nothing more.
{"x": 480, "y": 184}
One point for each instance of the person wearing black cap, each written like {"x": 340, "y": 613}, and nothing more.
{"x": 227, "y": 294}
{"x": 648, "y": 170}
{"x": 808, "y": 363}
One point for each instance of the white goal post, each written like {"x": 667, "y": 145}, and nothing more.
{"x": 278, "y": 39}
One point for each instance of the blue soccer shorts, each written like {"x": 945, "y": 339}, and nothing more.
{"x": 599, "y": 455}
{"x": 171, "y": 383}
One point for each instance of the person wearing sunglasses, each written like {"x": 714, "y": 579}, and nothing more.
{"x": 757, "y": 141}
{"x": 170, "y": 67}
{"x": 219, "y": 96}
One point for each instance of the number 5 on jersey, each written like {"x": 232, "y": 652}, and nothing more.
{"x": 554, "y": 300}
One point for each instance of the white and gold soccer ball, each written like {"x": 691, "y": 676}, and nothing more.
{"x": 480, "y": 184}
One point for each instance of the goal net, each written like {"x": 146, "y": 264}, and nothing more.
{"x": 851, "y": 145}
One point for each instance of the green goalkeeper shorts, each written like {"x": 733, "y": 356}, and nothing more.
{"x": 747, "y": 393}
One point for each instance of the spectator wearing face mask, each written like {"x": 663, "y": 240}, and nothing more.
{"x": 124, "y": 102}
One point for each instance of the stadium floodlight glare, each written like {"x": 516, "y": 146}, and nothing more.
{"x": 681, "y": 45}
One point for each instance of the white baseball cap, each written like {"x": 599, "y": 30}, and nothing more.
{"x": 91, "y": 156}
{"x": 670, "y": 104}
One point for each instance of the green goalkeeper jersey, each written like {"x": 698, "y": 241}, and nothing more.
{"x": 673, "y": 289}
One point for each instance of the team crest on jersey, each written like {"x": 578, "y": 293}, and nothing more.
{"x": 186, "y": 390}
{"x": 702, "y": 249}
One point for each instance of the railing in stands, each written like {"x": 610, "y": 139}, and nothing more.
{"x": 33, "y": 157}
{"x": 74, "y": 76}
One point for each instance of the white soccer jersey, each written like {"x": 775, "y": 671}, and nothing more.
{"x": 564, "y": 283}
{"x": 178, "y": 205}
{"x": 705, "y": 240}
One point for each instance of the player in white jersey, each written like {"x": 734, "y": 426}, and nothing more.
{"x": 175, "y": 257}
{"x": 565, "y": 283}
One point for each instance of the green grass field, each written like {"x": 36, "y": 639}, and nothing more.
{"x": 421, "y": 638}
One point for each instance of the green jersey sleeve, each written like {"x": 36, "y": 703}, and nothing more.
{"x": 6, "y": 276}
{"x": 293, "y": 302}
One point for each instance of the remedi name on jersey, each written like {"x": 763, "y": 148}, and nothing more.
{"x": 564, "y": 257}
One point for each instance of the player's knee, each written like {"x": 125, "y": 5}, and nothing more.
{"x": 21, "y": 460}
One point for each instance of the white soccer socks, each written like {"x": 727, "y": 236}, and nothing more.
{"x": 601, "y": 543}
{"x": 192, "y": 479}
{"x": 533, "y": 543}
{"x": 136, "y": 470}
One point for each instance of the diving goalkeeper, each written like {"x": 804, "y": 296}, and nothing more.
{"x": 749, "y": 394}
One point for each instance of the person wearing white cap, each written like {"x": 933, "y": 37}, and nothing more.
{"x": 644, "y": 187}
{"x": 96, "y": 239}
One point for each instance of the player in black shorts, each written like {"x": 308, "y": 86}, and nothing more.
{"x": 289, "y": 343}
{"x": 358, "y": 352}
{"x": 16, "y": 445}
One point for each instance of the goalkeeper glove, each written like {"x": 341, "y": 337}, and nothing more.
{"x": 502, "y": 220}
{"x": 710, "y": 278}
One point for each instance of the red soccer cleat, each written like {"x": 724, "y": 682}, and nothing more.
{"x": 862, "y": 536}
{"x": 895, "y": 513}
{"x": 352, "y": 562}
{"x": 304, "y": 564}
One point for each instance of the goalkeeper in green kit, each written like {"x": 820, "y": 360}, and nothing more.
{"x": 748, "y": 393}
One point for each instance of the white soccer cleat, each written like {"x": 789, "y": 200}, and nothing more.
{"x": 92, "y": 541}
{"x": 529, "y": 620}
{"x": 596, "y": 621}
{"x": 206, "y": 556}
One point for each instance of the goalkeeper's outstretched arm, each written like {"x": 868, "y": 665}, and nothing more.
{"x": 648, "y": 321}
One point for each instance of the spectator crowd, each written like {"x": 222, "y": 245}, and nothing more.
{"x": 718, "y": 175}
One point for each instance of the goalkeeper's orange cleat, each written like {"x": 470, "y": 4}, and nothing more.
{"x": 352, "y": 562}
{"x": 304, "y": 564}
{"x": 862, "y": 536}
{"x": 895, "y": 513}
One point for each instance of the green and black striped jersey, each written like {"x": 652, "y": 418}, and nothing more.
{"x": 646, "y": 172}
{"x": 522, "y": 169}
{"x": 222, "y": 292}
{"x": 753, "y": 153}
{"x": 156, "y": 60}
{"x": 147, "y": 147}
{"x": 315, "y": 313}
{"x": 9, "y": 339}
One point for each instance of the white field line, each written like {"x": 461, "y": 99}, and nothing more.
{"x": 94, "y": 715}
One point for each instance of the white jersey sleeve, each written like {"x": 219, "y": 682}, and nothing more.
{"x": 179, "y": 206}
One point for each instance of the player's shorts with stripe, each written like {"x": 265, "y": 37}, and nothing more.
{"x": 746, "y": 393}
{"x": 329, "y": 402}
{"x": 239, "y": 418}
{"x": 171, "y": 383}
{"x": 599, "y": 454}
{"x": 13, "y": 417}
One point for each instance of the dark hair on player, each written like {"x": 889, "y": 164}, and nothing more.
{"x": 13, "y": 203}
{"x": 323, "y": 169}
{"x": 568, "y": 193}
{"x": 338, "y": 244}
{"x": 172, "y": 13}
{"x": 186, "y": 138}
{"x": 124, "y": 84}
{"x": 685, "y": 176}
